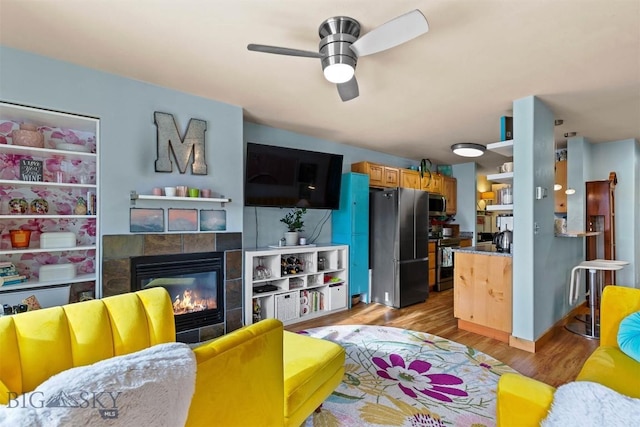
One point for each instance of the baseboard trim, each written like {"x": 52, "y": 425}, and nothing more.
{"x": 533, "y": 346}
{"x": 483, "y": 330}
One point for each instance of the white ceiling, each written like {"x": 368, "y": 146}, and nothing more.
{"x": 450, "y": 85}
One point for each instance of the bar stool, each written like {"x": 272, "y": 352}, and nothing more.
{"x": 590, "y": 327}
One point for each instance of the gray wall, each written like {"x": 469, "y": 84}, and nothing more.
{"x": 622, "y": 158}
{"x": 127, "y": 131}
{"x": 465, "y": 174}
{"x": 541, "y": 261}
{"x": 267, "y": 220}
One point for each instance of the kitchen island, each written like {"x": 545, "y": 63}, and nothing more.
{"x": 482, "y": 291}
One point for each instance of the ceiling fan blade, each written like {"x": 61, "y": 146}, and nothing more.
{"x": 283, "y": 51}
{"x": 348, "y": 90}
{"x": 390, "y": 34}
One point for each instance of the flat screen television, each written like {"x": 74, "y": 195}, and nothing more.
{"x": 288, "y": 177}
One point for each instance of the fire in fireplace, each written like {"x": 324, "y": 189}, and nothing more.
{"x": 194, "y": 282}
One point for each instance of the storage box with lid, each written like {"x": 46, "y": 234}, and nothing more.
{"x": 57, "y": 239}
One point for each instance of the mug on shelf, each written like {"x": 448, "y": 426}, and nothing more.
{"x": 194, "y": 192}
{"x": 170, "y": 191}
{"x": 181, "y": 191}
{"x": 205, "y": 193}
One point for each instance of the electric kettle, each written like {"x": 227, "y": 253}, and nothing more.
{"x": 503, "y": 241}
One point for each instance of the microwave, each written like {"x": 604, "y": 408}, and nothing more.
{"x": 437, "y": 205}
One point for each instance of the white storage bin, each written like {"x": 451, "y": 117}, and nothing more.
{"x": 57, "y": 272}
{"x": 288, "y": 306}
{"x": 337, "y": 297}
{"x": 49, "y": 297}
{"x": 57, "y": 239}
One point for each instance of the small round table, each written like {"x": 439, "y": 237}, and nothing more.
{"x": 590, "y": 326}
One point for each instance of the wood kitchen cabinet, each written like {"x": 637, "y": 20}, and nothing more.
{"x": 450, "y": 191}
{"x": 379, "y": 175}
{"x": 560, "y": 196}
{"x": 432, "y": 183}
{"x": 482, "y": 294}
{"x": 409, "y": 179}
{"x": 432, "y": 265}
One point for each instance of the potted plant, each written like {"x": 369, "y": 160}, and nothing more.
{"x": 295, "y": 224}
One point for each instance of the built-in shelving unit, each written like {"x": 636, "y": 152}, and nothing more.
{"x": 303, "y": 282}
{"x": 504, "y": 148}
{"x": 71, "y": 145}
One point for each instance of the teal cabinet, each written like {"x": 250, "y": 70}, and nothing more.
{"x": 350, "y": 226}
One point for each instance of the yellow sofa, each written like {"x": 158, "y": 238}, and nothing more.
{"x": 259, "y": 375}
{"x": 523, "y": 401}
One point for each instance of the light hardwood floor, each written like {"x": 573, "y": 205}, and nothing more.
{"x": 556, "y": 363}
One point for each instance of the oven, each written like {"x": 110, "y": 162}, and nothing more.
{"x": 445, "y": 262}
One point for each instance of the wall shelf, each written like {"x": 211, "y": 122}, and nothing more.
{"x": 505, "y": 178}
{"x": 32, "y": 284}
{"x": 134, "y": 196}
{"x": 494, "y": 208}
{"x": 504, "y": 148}
{"x": 40, "y": 250}
{"x": 45, "y": 184}
{"x": 47, "y": 216}
{"x": 47, "y": 152}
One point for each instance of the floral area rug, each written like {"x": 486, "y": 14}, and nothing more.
{"x": 398, "y": 377}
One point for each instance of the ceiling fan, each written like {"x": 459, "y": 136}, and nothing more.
{"x": 341, "y": 46}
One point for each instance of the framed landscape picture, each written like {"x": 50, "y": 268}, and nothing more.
{"x": 183, "y": 219}
{"x": 146, "y": 220}
{"x": 213, "y": 220}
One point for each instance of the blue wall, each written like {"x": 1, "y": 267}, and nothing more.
{"x": 128, "y": 133}
{"x": 267, "y": 220}
{"x": 541, "y": 261}
{"x": 622, "y": 158}
{"x": 465, "y": 174}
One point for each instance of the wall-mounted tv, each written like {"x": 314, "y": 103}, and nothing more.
{"x": 288, "y": 177}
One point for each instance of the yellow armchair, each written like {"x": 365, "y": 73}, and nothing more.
{"x": 523, "y": 401}
{"x": 259, "y": 375}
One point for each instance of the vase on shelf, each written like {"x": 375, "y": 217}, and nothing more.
{"x": 28, "y": 136}
{"x": 291, "y": 237}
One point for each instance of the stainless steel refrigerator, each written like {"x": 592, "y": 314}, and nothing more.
{"x": 399, "y": 246}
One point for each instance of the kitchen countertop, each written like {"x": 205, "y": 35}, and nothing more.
{"x": 482, "y": 251}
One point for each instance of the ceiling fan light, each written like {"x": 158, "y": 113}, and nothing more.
{"x": 468, "y": 149}
{"x": 339, "y": 73}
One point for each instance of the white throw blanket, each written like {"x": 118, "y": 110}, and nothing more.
{"x": 150, "y": 387}
{"x": 584, "y": 404}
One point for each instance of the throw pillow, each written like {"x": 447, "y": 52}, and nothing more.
{"x": 150, "y": 387}
{"x": 585, "y": 403}
{"x": 629, "y": 336}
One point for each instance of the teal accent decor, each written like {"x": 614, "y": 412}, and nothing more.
{"x": 350, "y": 226}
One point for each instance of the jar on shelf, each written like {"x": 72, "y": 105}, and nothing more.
{"x": 20, "y": 238}
{"x": 28, "y": 136}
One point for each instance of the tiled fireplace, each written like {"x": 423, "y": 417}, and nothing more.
{"x": 116, "y": 268}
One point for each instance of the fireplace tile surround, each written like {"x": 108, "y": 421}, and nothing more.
{"x": 117, "y": 251}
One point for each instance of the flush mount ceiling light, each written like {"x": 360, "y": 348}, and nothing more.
{"x": 468, "y": 149}
{"x": 557, "y": 187}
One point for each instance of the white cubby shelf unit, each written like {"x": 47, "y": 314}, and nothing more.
{"x": 294, "y": 284}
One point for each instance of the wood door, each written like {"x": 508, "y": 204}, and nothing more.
{"x": 560, "y": 196}
{"x": 450, "y": 190}
{"x": 432, "y": 265}
{"x": 409, "y": 179}
{"x": 391, "y": 177}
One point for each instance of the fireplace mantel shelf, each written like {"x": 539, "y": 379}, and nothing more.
{"x": 135, "y": 196}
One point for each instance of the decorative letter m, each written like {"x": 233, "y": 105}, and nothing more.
{"x": 168, "y": 137}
